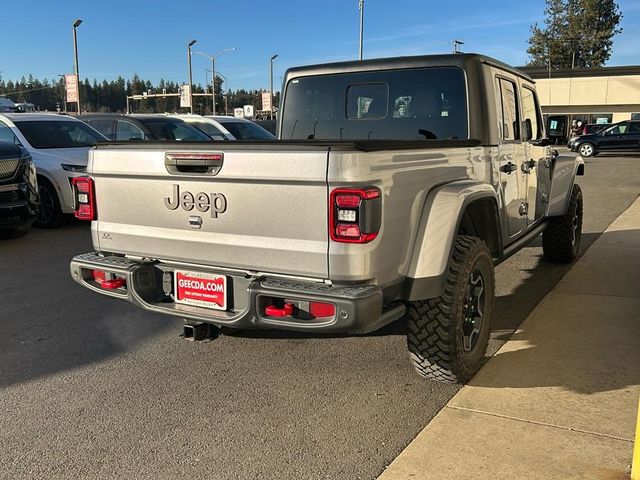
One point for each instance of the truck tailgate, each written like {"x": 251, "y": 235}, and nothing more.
{"x": 264, "y": 210}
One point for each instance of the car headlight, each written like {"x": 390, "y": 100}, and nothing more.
{"x": 74, "y": 168}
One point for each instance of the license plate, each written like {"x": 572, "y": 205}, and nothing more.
{"x": 201, "y": 289}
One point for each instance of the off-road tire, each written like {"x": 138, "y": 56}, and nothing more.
{"x": 435, "y": 338}
{"x": 589, "y": 150}
{"x": 50, "y": 210}
{"x": 561, "y": 238}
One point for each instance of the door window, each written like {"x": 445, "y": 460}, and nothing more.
{"x": 530, "y": 112}
{"x": 619, "y": 129}
{"x": 508, "y": 111}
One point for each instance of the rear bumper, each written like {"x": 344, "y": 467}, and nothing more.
{"x": 359, "y": 308}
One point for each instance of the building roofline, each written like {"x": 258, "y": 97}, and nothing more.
{"x": 543, "y": 72}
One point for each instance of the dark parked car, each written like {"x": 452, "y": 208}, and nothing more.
{"x": 116, "y": 126}
{"x": 619, "y": 137}
{"x": 18, "y": 191}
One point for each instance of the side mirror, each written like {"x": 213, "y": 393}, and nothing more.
{"x": 528, "y": 130}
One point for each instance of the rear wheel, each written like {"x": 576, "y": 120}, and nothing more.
{"x": 561, "y": 239}
{"x": 448, "y": 335}
{"x": 587, "y": 149}
{"x": 50, "y": 211}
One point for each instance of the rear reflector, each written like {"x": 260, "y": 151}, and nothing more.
{"x": 273, "y": 311}
{"x": 321, "y": 310}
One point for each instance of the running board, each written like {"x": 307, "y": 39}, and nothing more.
{"x": 522, "y": 241}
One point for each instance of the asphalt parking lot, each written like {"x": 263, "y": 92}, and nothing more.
{"x": 95, "y": 388}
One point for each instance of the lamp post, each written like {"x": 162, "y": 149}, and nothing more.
{"x": 271, "y": 85}
{"x": 191, "y": 44}
{"x": 361, "y": 8}
{"x": 76, "y": 24}
{"x": 212, "y": 58}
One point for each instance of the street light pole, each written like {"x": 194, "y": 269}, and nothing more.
{"x": 271, "y": 86}
{"x": 191, "y": 43}
{"x": 76, "y": 24}
{"x": 361, "y": 8}
{"x": 213, "y": 71}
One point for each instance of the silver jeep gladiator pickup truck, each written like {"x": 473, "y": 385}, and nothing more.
{"x": 395, "y": 187}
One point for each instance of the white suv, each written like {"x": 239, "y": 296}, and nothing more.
{"x": 59, "y": 146}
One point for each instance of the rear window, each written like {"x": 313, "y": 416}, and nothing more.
{"x": 175, "y": 131}
{"x": 246, "y": 130}
{"x": 414, "y": 104}
{"x": 58, "y": 134}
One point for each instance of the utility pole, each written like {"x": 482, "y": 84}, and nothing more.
{"x": 191, "y": 44}
{"x": 64, "y": 97}
{"x": 271, "y": 85}
{"x": 456, "y": 45}
{"x": 361, "y": 8}
{"x": 76, "y": 24}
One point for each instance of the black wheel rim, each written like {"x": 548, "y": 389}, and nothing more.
{"x": 473, "y": 310}
{"x": 46, "y": 205}
{"x": 575, "y": 229}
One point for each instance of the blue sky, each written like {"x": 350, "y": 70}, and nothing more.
{"x": 150, "y": 38}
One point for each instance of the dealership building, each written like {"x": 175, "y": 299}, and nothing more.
{"x": 590, "y": 95}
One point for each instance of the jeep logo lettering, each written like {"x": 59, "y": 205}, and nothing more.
{"x": 216, "y": 202}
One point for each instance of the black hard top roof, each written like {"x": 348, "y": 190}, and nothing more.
{"x": 462, "y": 60}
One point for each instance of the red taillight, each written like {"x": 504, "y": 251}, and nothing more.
{"x": 354, "y": 214}
{"x": 85, "y": 198}
{"x": 322, "y": 310}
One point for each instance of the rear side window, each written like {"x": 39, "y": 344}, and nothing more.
{"x": 210, "y": 130}
{"x": 128, "y": 131}
{"x": 530, "y": 111}
{"x": 105, "y": 127}
{"x": 246, "y": 130}
{"x": 412, "y": 104}
{"x": 507, "y": 110}
{"x": 175, "y": 131}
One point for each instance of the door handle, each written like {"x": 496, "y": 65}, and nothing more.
{"x": 508, "y": 168}
{"x": 528, "y": 165}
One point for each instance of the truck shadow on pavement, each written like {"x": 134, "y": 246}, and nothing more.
{"x": 584, "y": 336}
{"x": 49, "y": 323}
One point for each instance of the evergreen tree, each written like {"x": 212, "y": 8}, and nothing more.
{"x": 575, "y": 33}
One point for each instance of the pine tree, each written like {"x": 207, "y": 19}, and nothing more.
{"x": 575, "y": 33}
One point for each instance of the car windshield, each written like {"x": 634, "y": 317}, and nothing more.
{"x": 246, "y": 130}
{"x": 415, "y": 104}
{"x": 175, "y": 131}
{"x": 58, "y": 133}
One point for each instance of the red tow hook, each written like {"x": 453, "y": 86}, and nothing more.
{"x": 113, "y": 284}
{"x": 273, "y": 311}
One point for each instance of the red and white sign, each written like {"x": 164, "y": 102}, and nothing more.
{"x": 71, "y": 81}
{"x": 201, "y": 289}
{"x": 266, "y": 101}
